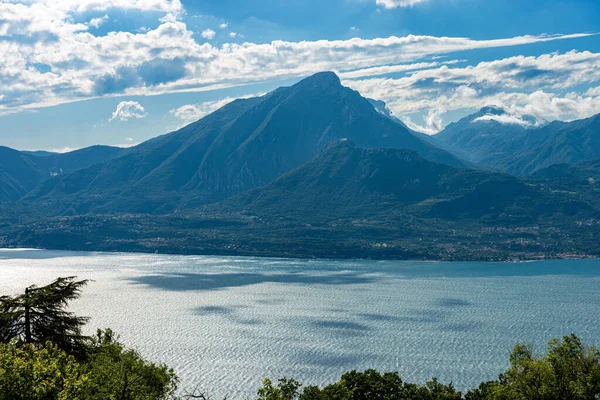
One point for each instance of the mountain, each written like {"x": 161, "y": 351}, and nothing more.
{"x": 520, "y": 145}
{"x": 18, "y": 174}
{"x": 346, "y": 181}
{"x": 351, "y": 202}
{"x": 245, "y": 144}
{"x": 586, "y": 171}
{"x": 22, "y": 171}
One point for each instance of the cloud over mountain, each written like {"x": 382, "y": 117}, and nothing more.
{"x": 541, "y": 86}
{"x": 127, "y": 110}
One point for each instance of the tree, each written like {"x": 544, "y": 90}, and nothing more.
{"x": 110, "y": 371}
{"x": 355, "y": 385}
{"x": 115, "y": 372}
{"x": 569, "y": 371}
{"x": 39, "y": 315}
{"x": 39, "y": 373}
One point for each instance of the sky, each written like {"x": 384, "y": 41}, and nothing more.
{"x": 75, "y": 73}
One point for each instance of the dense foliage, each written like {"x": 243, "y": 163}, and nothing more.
{"x": 110, "y": 371}
{"x": 569, "y": 371}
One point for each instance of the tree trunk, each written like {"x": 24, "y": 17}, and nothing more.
{"x": 27, "y": 318}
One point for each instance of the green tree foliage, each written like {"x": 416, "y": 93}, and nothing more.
{"x": 39, "y": 315}
{"x": 45, "y": 373}
{"x": 110, "y": 371}
{"x": 569, "y": 371}
{"x": 44, "y": 356}
{"x": 355, "y": 385}
{"x": 114, "y": 372}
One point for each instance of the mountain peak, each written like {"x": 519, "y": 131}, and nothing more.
{"x": 493, "y": 110}
{"x": 500, "y": 115}
{"x": 321, "y": 79}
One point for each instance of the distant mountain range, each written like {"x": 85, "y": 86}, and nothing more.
{"x": 520, "y": 145}
{"x": 316, "y": 170}
{"x": 21, "y": 172}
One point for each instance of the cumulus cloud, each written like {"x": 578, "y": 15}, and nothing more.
{"x": 538, "y": 86}
{"x": 233, "y": 34}
{"x": 75, "y": 64}
{"x": 223, "y": 26}
{"x": 208, "y": 34}
{"x": 127, "y": 110}
{"x": 595, "y": 91}
{"x": 97, "y": 22}
{"x": 398, "y": 3}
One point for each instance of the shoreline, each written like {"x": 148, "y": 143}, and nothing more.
{"x": 284, "y": 257}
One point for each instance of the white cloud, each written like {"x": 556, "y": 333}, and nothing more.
{"x": 82, "y": 6}
{"x": 97, "y": 22}
{"x": 233, "y": 34}
{"x": 223, "y": 26}
{"x": 595, "y": 91}
{"x": 208, "y": 34}
{"x": 193, "y": 112}
{"x": 398, "y": 3}
{"x": 61, "y": 150}
{"x": 127, "y": 144}
{"x": 76, "y": 64}
{"x": 391, "y": 69}
{"x": 505, "y": 119}
{"x": 535, "y": 86}
{"x": 433, "y": 122}
{"x": 127, "y": 110}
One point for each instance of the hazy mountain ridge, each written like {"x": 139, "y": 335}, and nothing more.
{"x": 22, "y": 171}
{"x": 521, "y": 149}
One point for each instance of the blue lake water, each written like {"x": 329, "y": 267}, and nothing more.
{"x": 224, "y": 323}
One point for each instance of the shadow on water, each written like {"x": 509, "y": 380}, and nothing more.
{"x": 230, "y": 313}
{"x": 327, "y": 359}
{"x": 205, "y": 282}
{"x": 346, "y": 327}
{"x": 453, "y": 303}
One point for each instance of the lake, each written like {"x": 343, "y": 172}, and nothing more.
{"x": 225, "y": 323}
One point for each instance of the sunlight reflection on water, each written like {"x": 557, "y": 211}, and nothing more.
{"x": 225, "y": 323}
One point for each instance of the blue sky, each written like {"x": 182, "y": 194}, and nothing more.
{"x": 80, "y": 72}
